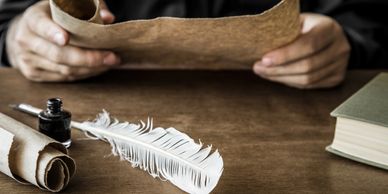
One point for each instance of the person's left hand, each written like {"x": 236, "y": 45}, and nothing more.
{"x": 316, "y": 59}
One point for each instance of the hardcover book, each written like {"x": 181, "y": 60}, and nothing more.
{"x": 361, "y": 132}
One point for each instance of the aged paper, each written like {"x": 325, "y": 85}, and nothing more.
{"x": 31, "y": 157}
{"x": 180, "y": 43}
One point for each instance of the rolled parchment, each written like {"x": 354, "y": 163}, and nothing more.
{"x": 31, "y": 157}
{"x": 181, "y": 43}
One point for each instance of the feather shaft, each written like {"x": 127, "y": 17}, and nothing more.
{"x": 91, "y": 129}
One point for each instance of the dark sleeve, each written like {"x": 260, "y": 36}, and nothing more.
{"x": 365, "y": 25}
{"x": 8, "y": 10}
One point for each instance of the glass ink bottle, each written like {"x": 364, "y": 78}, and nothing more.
{"x": 55, "y": 122}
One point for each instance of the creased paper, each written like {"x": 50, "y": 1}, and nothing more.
{"x": 31, "y": 157}
{"x": 181, "y": 43}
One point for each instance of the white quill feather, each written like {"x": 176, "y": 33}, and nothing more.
{"x": 164, "y": 153}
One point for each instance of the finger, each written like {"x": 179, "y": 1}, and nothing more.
{"x": 71, "y": 55}
{"x": 106, "y": 16}
{"x": 331, "y": 81}
{"x": 307, "y": 80}
{"x": 306, "y": 44}
{"x": 35, "y": 74}
{"x": 44, "y": 64}
{"x": 40, "y": 22}
{"x": 304, "y": 65}
{"x": 48, "y": 76}
{"x": 95, "y": 72}
{"x": 47, "y": 65}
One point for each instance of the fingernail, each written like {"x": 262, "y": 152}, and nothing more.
{"x": 59, "y": 38}
{"x": 111, "y": 59}
{"x": 105, "y": 14}
{"x": 257, "y": 67}
{"x": 257, "y": 64}
{"x": 266, "y": 61}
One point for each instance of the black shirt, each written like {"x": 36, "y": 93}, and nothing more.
{"x": 362, "y": 20}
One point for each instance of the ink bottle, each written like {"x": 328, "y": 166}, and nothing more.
{"x": 55, "y": 122}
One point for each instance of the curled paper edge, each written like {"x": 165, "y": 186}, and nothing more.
{"x": 234, "y": 42}
{"x": 21, "y": 157}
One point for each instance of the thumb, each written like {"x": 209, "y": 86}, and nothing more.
{"x": 106, "y": 16}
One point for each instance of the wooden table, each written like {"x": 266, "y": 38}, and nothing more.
{"x": 272, "y": 137}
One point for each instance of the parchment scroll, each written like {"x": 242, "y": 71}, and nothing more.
{"x": 181, "y": 43}
{"x": 31, "y": 157}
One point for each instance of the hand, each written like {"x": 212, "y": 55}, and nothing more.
{"x": 316, "y": 59}
{"x": 39, "y": 48}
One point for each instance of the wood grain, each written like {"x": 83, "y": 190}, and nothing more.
{"x": 272, "y": 137}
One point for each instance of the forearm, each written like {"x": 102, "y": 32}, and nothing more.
{"x": 366, "y": 52}
{"x": 9, "y": 9}
{"x": 365, "y": 27}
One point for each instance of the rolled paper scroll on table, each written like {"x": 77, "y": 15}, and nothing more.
{"x": 31, "y": 157}
{"x": 234, "y": 42}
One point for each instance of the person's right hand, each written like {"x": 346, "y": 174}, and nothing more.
{"x": 39, "y": 48}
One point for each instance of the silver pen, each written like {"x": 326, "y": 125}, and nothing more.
{"x": 26, "y": 108}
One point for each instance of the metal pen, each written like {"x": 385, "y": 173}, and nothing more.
{"x": 26, "y": 108}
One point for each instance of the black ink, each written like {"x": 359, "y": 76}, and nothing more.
{"x": 55, "y": 122}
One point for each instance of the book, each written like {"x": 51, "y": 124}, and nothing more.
{"x": 361, "y": 131}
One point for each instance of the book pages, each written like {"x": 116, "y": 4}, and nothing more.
{"x": 31, "y": 157}
{"x": 234, "y": 42}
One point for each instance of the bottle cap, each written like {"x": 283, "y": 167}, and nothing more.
{"x": 54, "y": 105}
